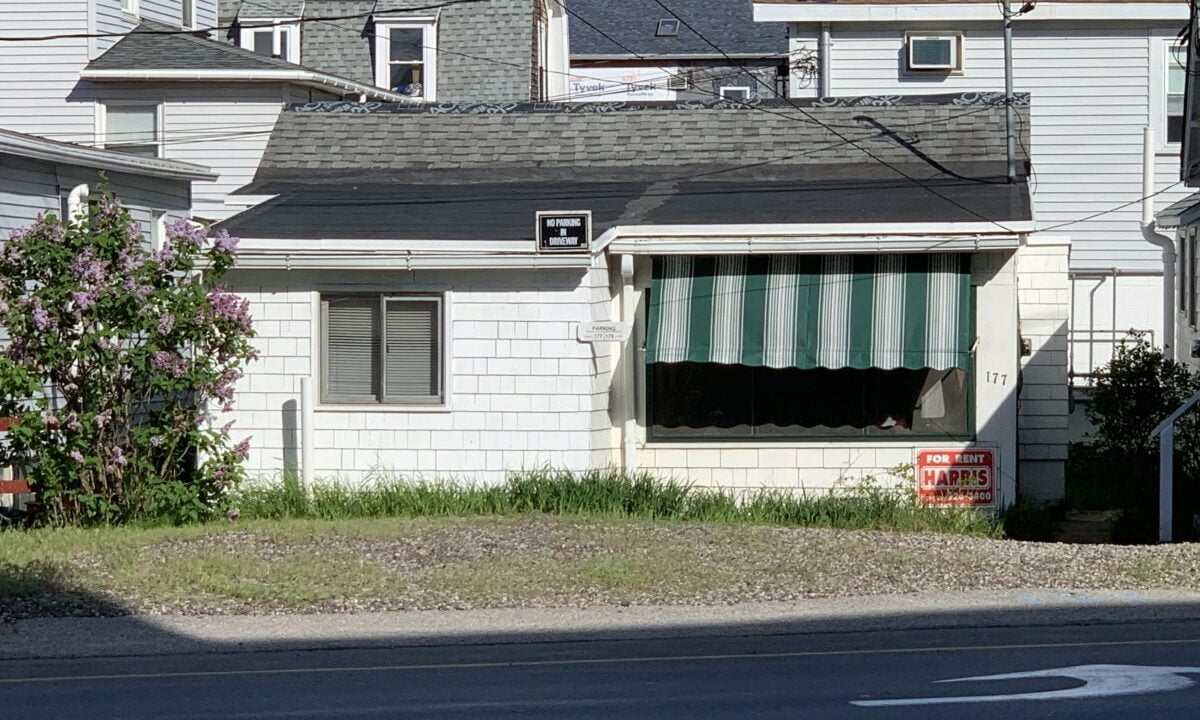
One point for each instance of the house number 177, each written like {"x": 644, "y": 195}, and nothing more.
{"x": 996, "y": 378}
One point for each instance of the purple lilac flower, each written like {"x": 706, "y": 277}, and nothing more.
{"x": 166, "y": 323}
{"x": 73, "y": 422}
{"x": 224, "y": 242}
{"x": 118, "y": 457}
{"x": 49, "y": 419}
{"x": 88, "y": 269}
{"x": 3, "y": 308}
{"x": 228, "y": 306}
{"x": 242, "y": 449}
{"x": 186, "y": 235}
{"x": 77, "y": 456}
{"x": 41, "y": 318}
{"x": 165, "y": 255}
{"x": 102, "y": 419}
{"x": 83, "y": 299}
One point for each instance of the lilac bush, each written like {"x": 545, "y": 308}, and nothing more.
{"x": 119, "y": 363}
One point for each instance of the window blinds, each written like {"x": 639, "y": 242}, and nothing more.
{"x": 410, "y": 350}
{"x": 352, "y": 348}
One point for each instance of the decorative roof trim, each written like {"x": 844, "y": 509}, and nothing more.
{"x": 299, "y": 75}
{"x": 36, "y": 148}
{"x": 504, "y": 108}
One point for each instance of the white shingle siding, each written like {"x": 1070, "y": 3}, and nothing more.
{"x": 521, "y": 385}
{"x": 1094, "y": 87}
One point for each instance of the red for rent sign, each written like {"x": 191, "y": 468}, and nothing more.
{"x": 956, "y": 477}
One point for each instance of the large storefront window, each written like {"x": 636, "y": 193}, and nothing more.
{"x": 835, "y": 346}
{"x": 708, "y": 400}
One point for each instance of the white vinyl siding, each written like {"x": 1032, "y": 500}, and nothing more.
{"x": 111, "y": 18}
{"x": 1094, "y": 87}
{"x": 38, "y": 77}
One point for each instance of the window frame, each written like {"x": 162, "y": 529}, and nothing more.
{"x": 275, "y": 26}
{"x": 380, "y": 400}
{"x": 1161, "y": 95}
{"x": 103, "y": 140}
{"x": 187, "y": 13}
{"x": 958, "y": 53}
{"x": 429, "y": 48}
{"x": 744, "y": 88}
{"x": 131, "y": 7}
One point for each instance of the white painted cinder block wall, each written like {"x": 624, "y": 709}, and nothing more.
{"x": 523, "y": 391}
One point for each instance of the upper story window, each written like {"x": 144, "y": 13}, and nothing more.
{"x": 187, "y": 13}
{"x": 406, "y": 58}
{"x": 274, "y": 38}
{"x": 129, "y": 6}
{"x": 134, "y": 128}
{"x": 1176, "y": 83}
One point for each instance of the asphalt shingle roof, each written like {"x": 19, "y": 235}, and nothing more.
{"x": 634, "y": 23}
{"x": 478, "y": 171}
{"x": 934, "y": 134}
{"x": 143, "y": 49}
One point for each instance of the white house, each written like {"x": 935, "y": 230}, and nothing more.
{"x": 1097, "y": 74}
{"x": 212, "y": 97}
{"x": 798, "y": 316}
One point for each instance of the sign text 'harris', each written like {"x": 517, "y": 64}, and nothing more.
{"x": 564, "y": 230}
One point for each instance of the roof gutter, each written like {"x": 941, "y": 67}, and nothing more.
{"x": 308, "y": 77}
{"x": 36, "y": 148}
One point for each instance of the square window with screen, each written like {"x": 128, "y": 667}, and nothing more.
{"x": 934, "y": 53}
{"x": 667, "y": 27}
{"x": 382, "y": 349}
{"x": 1176, "y": 79}
{"x": 406, "y": 55}
{"x": 132, "y": 129}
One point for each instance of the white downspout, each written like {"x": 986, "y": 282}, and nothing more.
{"x": 823, "y": 63}
{"x": 1152, "y": 236}
{"x": 77, "y": 203}
{"x": 629, "y": 355}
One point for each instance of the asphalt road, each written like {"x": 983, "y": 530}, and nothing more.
{"x": 789, "y": 676}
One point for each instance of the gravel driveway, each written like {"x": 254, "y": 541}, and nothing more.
{"x": 538, "y": 561}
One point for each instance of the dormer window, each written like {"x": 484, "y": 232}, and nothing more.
{"x": 279, "y": 38}
{"x": 668, "y": 27}
{"x": 406, "y": 58}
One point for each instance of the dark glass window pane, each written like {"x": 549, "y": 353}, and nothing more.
{"x": 932, "y": 52}
{"x": 712, "y": 400}
{"x": 263, "y": 44}
{"x": 285, "y": 37}
{"x": 1174, "y": 128}
{"x": 407, "y": 44}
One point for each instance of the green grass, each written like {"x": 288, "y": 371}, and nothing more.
{"x": 612, "y": 494}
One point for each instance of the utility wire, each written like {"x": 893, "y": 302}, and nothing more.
{"x": 838, "y": 134}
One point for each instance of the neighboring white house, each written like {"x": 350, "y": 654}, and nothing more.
{"x": 40, "y": 177}
{"x": 1097, "y": 74}
{"x": 155, "y": 91}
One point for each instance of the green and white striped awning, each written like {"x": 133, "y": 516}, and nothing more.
{"x": 810, "y": 311}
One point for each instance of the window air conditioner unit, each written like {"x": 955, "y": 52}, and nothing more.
{"x": 680, "y": 80}
{"x": 942, "y": 53}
